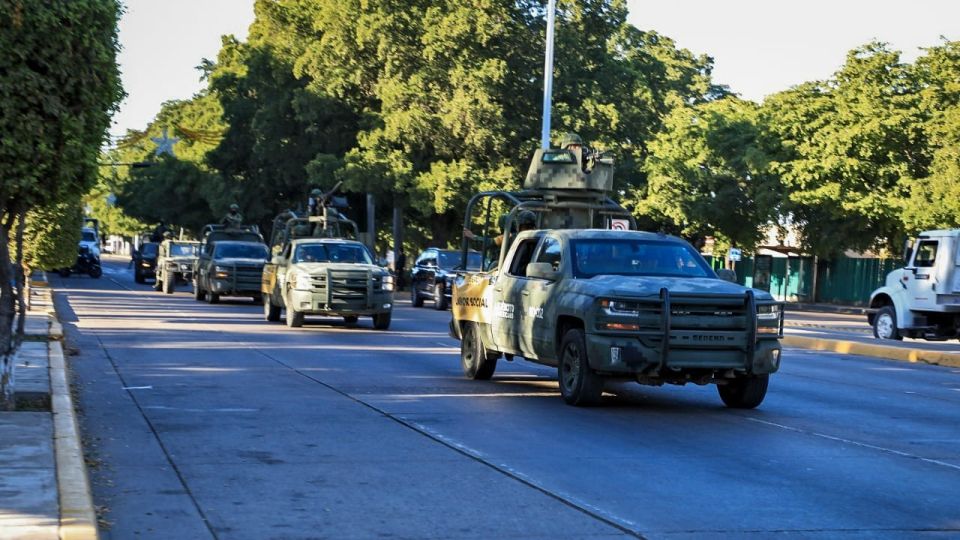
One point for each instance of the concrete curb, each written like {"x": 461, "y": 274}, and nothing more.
{"x": 78, "y": 519}
{"x": 938, "y": 358}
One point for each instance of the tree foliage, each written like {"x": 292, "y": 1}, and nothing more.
{"x": 58, "y": 85}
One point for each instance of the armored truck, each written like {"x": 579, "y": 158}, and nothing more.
{"x": 607, "y": 302}
{"x": 922, "y": 299}
{"x": 229, "y": 263}
{"x": 175, "y": 262}
{"x": 315, "y": 271}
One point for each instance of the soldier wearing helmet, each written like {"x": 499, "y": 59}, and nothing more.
{"x": 233, "y": 217}
{"x": 585, "y": 156}
{"x": 315, "y": 202}
{"x": 525, "y": 221}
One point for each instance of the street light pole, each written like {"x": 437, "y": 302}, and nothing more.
{"x": 548, "y": 76}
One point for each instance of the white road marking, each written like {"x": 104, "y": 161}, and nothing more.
{"x": 184, "y": 409}
{"x": 138, "y": 388}
{"x": 855, "y": 443}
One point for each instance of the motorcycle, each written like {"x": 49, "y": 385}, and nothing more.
{"x": 87, "y": 263}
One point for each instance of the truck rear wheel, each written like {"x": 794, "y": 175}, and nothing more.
{"x": 197, "y": 291}
{"x": 213, "y": 297}
{"x": 270, "y": 312}
{"x": 744, "y": 392}
{"x": 579, "y": 384}
{"x": 477, "y": 362}
{"x": 885, "y": 324}
{"x": 415, "y": 298}
{"x": 439, "y": 300}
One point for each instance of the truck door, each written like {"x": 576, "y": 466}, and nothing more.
{"x": 537, "y": 319}
{"x": 508, "y": 295}
{"x": 922, "y": 278}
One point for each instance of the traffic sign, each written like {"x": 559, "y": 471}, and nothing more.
{"x": 734, "y": 254}
{"x": 620, "y": 224}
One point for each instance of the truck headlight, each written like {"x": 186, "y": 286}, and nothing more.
{"x": 619, "y": 307}
{"x": 184, "y": 267}
{"x": 221, "y": 272}
{"x": 301, "y": 280}
{"x": 388, "y": 283}
{"x": 768, "y": 312}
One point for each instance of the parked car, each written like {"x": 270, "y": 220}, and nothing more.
{"x": 145, "y": 262}
{"x": 433, "y": 273}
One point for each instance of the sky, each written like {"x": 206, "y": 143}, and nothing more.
{"x": 759, "y": 47}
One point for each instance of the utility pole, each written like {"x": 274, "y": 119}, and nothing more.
{"x": 548, "y": 75}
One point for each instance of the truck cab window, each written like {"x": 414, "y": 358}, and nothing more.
{"x": 926, "y": 254}
{"x": 550, "y": 252}
{"x": 518, "y": 267}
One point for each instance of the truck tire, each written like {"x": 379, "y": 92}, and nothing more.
{"x": 169, "y": 282}
{"x": 744, "y": 392}
{"x": 271, "y": 313}
{"x": 350, "y": 320}
{"x": 415, "y": 297}
{"x": 477, "y": 362}
{"x": 579, "y": 384}
{"x": 439, "y": 300}
{"x": 96, "y": 271}
{"x": 213, "y": 297}
{"x": 294, "y": 318}
{"x": 885, "y": 324}
{"x": 198, "y": 291}
{"x": 137, "y": 276}
{"x": 381, "y": 321}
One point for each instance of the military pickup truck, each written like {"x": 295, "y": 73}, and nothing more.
{"x": 606, "y": 302}
{"x": 921, "y": 300}
{"x": 230, "y": 263}
{"x": 314, "y": 270}
{"x": 175, "y": 262}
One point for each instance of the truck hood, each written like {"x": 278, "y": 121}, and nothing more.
{"x": 633, "y": 286}
{"x": 240, "y": 261}
{"x": 318, "y": 267}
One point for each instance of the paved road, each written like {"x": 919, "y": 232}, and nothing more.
{"x": 206, "y": 422}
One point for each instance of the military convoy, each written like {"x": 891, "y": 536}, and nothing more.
{"x": 315, "y": 269}
{"x": 584, "y": 292}
{"x": 921, "y": 300}
{"x": 229, "y": 262}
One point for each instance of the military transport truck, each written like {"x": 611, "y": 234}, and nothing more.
{"x": 586, "y": 294}
{"x": 175, "y": 262}
{"x": 921, "y": 300}
{"x": 229, "y": 263}
{"x": 314, "y": 271}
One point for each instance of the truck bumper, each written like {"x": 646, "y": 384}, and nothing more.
{"x": 311, "y": 303}
{"x": 628, "y": 356}
{"x": 229, "y": 288}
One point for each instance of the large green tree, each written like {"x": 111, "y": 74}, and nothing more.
{"x": 59, "y": 83}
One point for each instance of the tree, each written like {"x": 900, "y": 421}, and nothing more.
{"x": 710, "y": 174}
{"x": 58, "y": 84}
{"x": 851, "y": 146}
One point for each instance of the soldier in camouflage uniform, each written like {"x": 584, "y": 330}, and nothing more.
{"x": 233, "y": 217}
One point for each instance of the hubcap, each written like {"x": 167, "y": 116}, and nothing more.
{"x": 885, "y": 326}
{"x": 571, "y": 365}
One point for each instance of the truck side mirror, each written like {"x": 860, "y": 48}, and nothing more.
{"x": 727, "y": 275}
{"x": 542, "y": 271}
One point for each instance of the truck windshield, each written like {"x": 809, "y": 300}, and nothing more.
{"x": 451, "y": 259}
{"x": 88, "y": 236}
{"x": 240, "y": 251}
{"x": 183, "y": 250}
{"x": 634, "y": 257}
{"x": 149, "y": 250}
{"x": 336, "y": 253}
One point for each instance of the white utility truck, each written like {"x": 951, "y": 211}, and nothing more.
{"x": 921, "y": 300}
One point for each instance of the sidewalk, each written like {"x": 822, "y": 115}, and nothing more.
{"x": 44, "y": 492}
{"x": 825, "y": 308}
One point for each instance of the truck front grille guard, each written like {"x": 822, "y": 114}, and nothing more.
{"x": 666, "y": 319}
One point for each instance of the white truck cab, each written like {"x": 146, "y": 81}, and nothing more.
{"x": 921, "y": 300}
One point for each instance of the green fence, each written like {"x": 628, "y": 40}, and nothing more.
{"x": 841, "y": 281}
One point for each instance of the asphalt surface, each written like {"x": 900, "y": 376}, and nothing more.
{"x": 204, "y": 421}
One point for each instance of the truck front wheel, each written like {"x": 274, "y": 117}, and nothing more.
{"x": 294, "y": 317}
{"x": 579, "y": 384}
{"x": 169, "y": 282}
{"x": 381, "y": 321}
{"x": 744, "y": 392}
{"x": 476, "y": 361}
{"x": 885, "y": 324}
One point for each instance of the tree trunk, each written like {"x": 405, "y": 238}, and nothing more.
{"x": 20, "y": 278}
{"x": 7, "y": 313}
